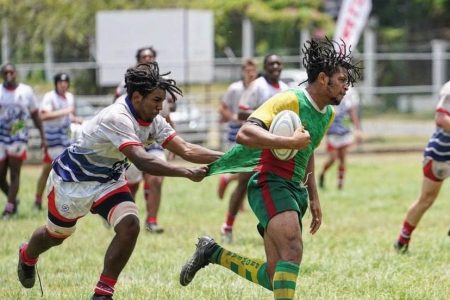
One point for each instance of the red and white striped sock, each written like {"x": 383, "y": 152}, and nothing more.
{"x": 105, "y": 286}
{"x": 405, "y": 233}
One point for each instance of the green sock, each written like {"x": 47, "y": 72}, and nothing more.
{"x": 285, "y": 280}
{"x": 251, "y": 269}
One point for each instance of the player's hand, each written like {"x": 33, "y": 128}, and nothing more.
{"x": 197, "y": 174}
{"x": 44, "y": 145}
{"x": 358, "y": 136}
{"x": 301, "y": 138}
{"x": 316, "y": 213}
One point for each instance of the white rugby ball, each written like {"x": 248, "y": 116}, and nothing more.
{"x": 284, "y": 124}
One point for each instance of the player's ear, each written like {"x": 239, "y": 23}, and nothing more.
{"x": 323, "y": 78}
{"x": 136, "y": 98}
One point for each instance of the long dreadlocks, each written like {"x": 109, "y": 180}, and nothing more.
{"x": 145, "y": 78}
{"x": 326, "y": 56}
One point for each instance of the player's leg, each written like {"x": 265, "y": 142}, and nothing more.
{"x": 284, "y": 249}
{"x": 152, "y": 194}
{"x": 121, "y": 213}
{"x": 46, "y": 168}
{"x": 329, "y": 161}
{"x": 134, "y": 177}
{"x": 428, "y": 194}
{"x": 14, "y": 167}
{"x": 224, "y": 181}
{"x": 236, "y": 200}
{"x": 341, "y": 155}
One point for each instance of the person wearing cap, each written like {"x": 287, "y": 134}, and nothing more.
{"x": 57, "y": 113}
{"x": 17, "y": 104}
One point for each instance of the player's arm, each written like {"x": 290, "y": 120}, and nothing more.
{"x": 314, "y": 202}
{"x": 38, "y": 123}
{"x": 191, "y": 152}
{"x": 153, "y": 165}
{"x": 50, "y": 115}
{"x": 226, "y": 114}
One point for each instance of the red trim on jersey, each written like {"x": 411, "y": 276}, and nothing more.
{"x": 129, "y": 144}
{"x": 123, "y": 189}
{"x": 268, "y": 201}
{"x": 168, "y": 139}
{"x": 283, "y": 168}
{"x": 52, "y": 208}
{"x": 244, "y": 107}
{"x": 9, "y": 88}
{"x": 443, "y": 110}
{"x": 275, "y": 85}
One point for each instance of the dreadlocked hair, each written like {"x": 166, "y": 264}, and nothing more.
{"x": 326, "y": 56}
{"x": 145, "y": 78}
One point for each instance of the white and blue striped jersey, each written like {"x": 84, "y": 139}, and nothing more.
{"x": 97, "y": 156}
{"x": 259, "y": 91}
{"x": 231, "y": 99}
{"x": 57, "y": 131}
{"x": 16, "y": 105}
{"x": 438, "y": 147}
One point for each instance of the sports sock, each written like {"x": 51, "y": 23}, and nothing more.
{"x": 25, "y": 258}
{"x": 230, "y": 219}
{"x": 285, "y": 280}
{"x": 38, "y": 199}
{"x": 152, "y": 220}
{"x": 341, "y": 176}
{"x": 254, "y": 270}
{"x": 405, "y": 233}
{"x": 105, "y": 286}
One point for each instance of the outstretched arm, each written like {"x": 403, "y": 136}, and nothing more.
{"x": 191, "y": 152}
{"x": 153, "y": 165}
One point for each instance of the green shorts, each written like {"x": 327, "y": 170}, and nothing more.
{"x": 270, "y": 194}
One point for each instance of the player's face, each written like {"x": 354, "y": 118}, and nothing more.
{"x": 9, "y": 74}
{"x": 149, "y": 106}
{"x": 249, "y": 73}
{"x": 273, "y": 68}
{"x": 62, "y": 87}
{"x": 146, "y": 57}
{"x": 337, "y": 86}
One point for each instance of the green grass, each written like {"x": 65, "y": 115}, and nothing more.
{"x": 351, "y": 256}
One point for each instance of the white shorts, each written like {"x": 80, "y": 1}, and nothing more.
{"x": 16, "y": 150}
{"x": 52, "y": 153}
{"x": 339, "y": 141}
{"x": 134, "y": 175}
{"x": 72, "y": 200}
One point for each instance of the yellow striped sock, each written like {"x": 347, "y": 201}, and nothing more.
{"x": 254, "y": 270}
{"x": 285, "y": 280}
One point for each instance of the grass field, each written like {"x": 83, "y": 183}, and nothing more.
{"x": 351, "y": 257}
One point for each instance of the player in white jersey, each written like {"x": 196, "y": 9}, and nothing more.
{"x": 17, "y": 104}
{"x": 259, "y": 91}
{"x": 152, "y": 184}
{"x": 57, "y": 113}
{"x": 436, "y": 168}
{"x": 340, "y": 136}
{"x": 89, "y": 175}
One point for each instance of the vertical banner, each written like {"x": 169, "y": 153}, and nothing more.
{"x": 352, "y": 18}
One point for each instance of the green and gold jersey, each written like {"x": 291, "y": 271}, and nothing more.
{"x": 243, "y": 159}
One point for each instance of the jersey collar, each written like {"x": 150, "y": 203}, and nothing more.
{"x": 134, "y": 113}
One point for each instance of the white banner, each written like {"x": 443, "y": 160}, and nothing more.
{"x": 352, "y": 18}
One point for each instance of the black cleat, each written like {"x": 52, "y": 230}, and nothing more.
{"x": 400, "y": 248}
{"x": 26, "y": 274}
{"x": 205, "y": 248}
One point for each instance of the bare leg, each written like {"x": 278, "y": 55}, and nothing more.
{"x": 121, "y": 247}
{"x": 41, "y": 241}
{"x": 428, "y": 194}
{"x": 341, "y": 155}
{"x": 153, "y": 190}
{"x": 332, "y": 155}
{"x": 46, "y": 168}
{"x": 4, "y": 186}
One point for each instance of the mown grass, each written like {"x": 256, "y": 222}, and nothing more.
{"x": 351, "y": 257}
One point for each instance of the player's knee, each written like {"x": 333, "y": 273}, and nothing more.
{"x": 58, "y": 233}
{"x": 124, "y": 218}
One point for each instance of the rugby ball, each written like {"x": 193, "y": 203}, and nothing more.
{"x": 284, "y": 124}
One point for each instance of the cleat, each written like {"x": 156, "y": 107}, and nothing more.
{"x": 322, "y": 181}
{"x": 11, "y": 209}
{"x": 226, "y": 234}
{"x": 205, "y": 248}
{"x": 26, "y": 274}
{"x": 101, "y": 297}
{"x": 223, "y": 183}
{"x": 154, "y": 228}
{"x": 400, "y": 248}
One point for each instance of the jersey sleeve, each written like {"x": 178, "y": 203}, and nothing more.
{"x": 161, "y": 132}
{"x": 119, "y": 129}
{"x": 47, "y": 103}
{"x": 277, "y": 103}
